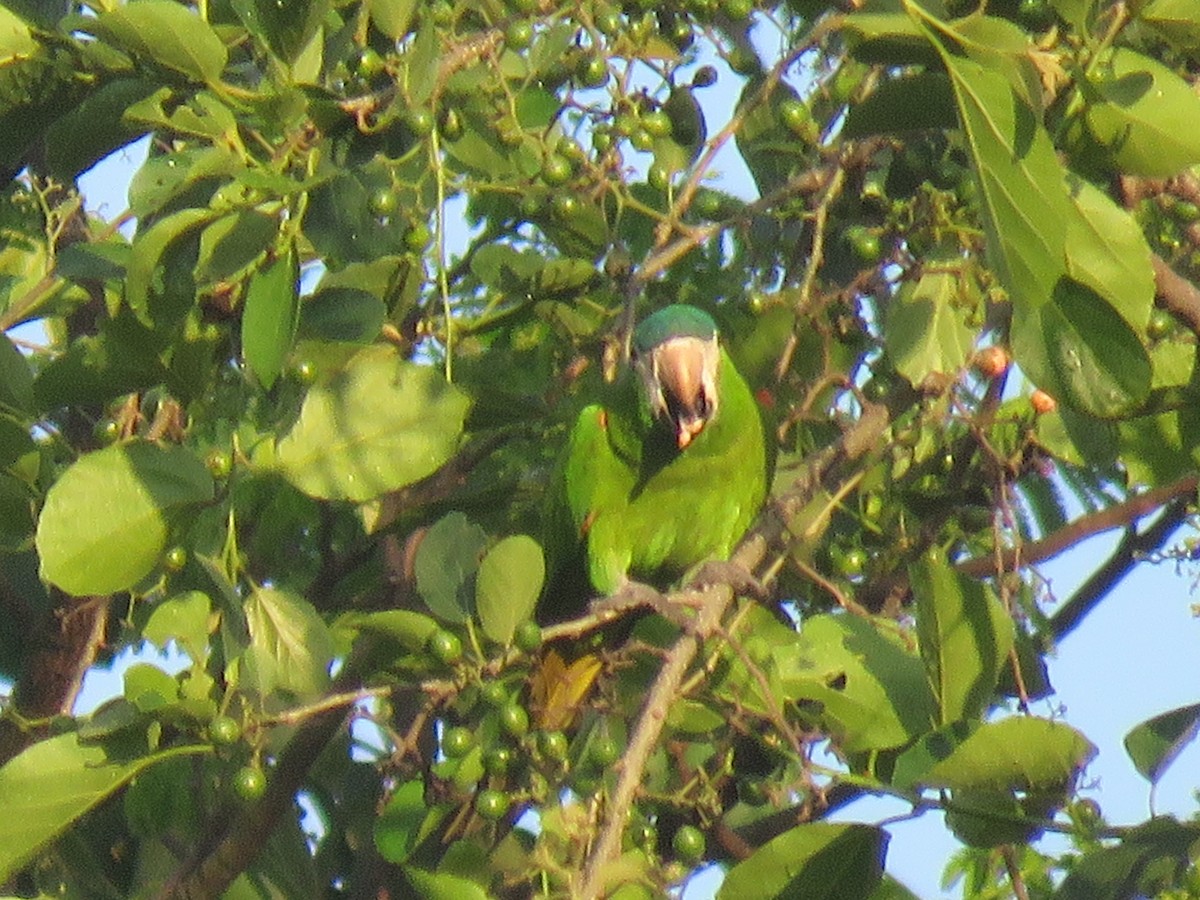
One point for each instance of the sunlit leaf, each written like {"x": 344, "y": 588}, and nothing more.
{"x": 54, "y": 782}
{"x": 1154, "y": 744}
{"x": 377, "y": 425}
{"x": 1146, "y": 116}
{"x": 168, "y": 33}
{"x": 965, "y": 635}
{"x": 106, "y": 520}
{"x": 271, "y": 318}
{"x": 508, "y": 585}
{"x": 290, "y": 645}
{"x": 819, "y": 860}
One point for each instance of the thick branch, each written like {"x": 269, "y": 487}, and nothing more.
{"x": 1119, "y": 516}
{"x": 1133, "y": 547}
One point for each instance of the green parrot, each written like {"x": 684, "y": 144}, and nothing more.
{"x": 673, "y": 470}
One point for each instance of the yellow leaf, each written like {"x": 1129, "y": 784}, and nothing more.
{"x": 558, "y": 690}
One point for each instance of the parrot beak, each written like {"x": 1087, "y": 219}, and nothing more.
{"x": 680, "y": 376}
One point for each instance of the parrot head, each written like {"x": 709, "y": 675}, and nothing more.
{"x": 676, "y": 352}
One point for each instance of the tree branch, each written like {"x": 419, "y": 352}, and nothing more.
{"x": 1129, "y": 552}
{"x": 1119, "y": 516}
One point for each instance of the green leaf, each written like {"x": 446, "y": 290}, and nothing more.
{"x": 271, "y": 317}
{"x": 1094, "y": 359}
{"x": 149, "y": 688}
{"x": 873, "y": 691}
{"x": 380, "y": 423}
{"x": 447, "y": 560}
{"x": 393, "y": 17}
{"x": 163, "y": 178}
{"x": 51, "y": 784}
{"x": 123, "y": 357}
{"x": 990, "y": 818}
{"x": 1146, "y": 115}
{"x": 342, "y": 314}
{"x": 290, "y": 644}
{"x": 341, "y": 226}
{"x": 965, "y": 635}
{"x": 1107, "y": 251}
{"x": 508, "y": 584}
{"x": 398, "y": 824}
{"x": 149, "y": 248}
{"x": 168, "y": 33}
{"x": 1159, "y": 849}
{"x": 105, "y": 522}
{"x": 95, "y": 128}
{"x": 772, "y": 153}
{"x": 1176, "y": 20}
{"x": 817, "y": 861}
{"x": 892, "y": 38}
{"x": 443, "y": 886}
{"x": 1021, "y": 753}
{"x": 410, "y": 629}
{"x": 925, "y": 333}
{"x": 232, "y": 242}
{"x": 284, "y": 27}
{"x": 1154, "y": 744}
{"x": 183, "y": 618}
{"x": 907, "y": 103}
{"x": 16, "y": 379}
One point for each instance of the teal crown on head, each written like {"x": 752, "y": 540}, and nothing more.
{"x": 676, "y": 351}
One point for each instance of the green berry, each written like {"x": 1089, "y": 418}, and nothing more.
{"x": 603, "y": 751}
{"x": 420, "y": 121}
{"x": 497, "y": 761}
{"x": 445, "y": 647}
{"x": 384, "y": 201}
{"x": 642, "y": 139}
{"x": 554, "y": 745}
{"x": 528, "y": 636}
{"x": 224, "y": 730}
{"x": 864, "y": 243}
{"x": 688, "y": 844}
{"x": 494, "y": 694}
{"x": 175, "y": 559}
{"x": 657, "y": 122}
{"x": 658, "y": 177}
{"x": 368, "y": 63}
{"x": 737, "y": 9}
{"x": 592, "y": 71}
{"x": 219, "y": 463}
{"x": 794, "y": 115}
{"x": 304, "y": 371}
{"x": 608, "y": 22}
{"x": 565, "y": 206}
{"x": 556, "y": 170}
{"x": 514, "y": 720}
{"x": 107, "y": 431}
{"x": 491, "y": 804}
{"x": 519, "y": 34}
{"x": 1161, "y": 324}
{"x": 442, "y": 12}
{"x": 249, "y": 782}
{"x": 417, "y": 238}
{"x": 457, "y": 741}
